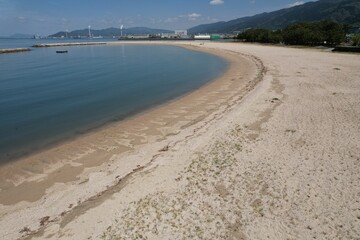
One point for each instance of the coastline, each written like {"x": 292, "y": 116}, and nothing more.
{"x": 33, "y": 166}
{"x": 27, "y": 152}
{"x": 278, "y": 160}
{"x": 30, "y": 178}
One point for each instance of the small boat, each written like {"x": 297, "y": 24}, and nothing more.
{"x": 62, "y": 51}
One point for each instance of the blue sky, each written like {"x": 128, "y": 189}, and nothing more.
{"x": 49, "y": 16}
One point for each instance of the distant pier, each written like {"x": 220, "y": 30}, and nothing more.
{"x": 14, "y": 50}
{"x": 67, "y": 44}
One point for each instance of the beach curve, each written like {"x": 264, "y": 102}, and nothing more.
{"x": 281, "y": 162}
{"x": 36, "y": 189}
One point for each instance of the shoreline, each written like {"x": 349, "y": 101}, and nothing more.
{"x": 17, "y": 176}
{"x": 278, "y": 160}
{"x": 111, "y": 122}
{"x": 28, "y": 153}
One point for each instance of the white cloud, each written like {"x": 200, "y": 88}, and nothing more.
{"x": 296, "y": 4}
{"x": 21, "y": 19}
{"x": 216, "y": 2}
{"x": 185, "y": 20}
{"x": 171, "y": 20}
{"x": 193, "y": 16}
{"x": 210, "y": 19}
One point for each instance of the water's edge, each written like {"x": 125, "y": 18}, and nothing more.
{"x": 100, "y": 126}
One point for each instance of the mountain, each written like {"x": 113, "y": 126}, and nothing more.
{"x": 109, "y": 32}
{"x": 343, "y": 11}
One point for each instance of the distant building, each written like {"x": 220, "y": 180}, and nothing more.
{"x": 136, "y": 37}
{"x": 181, "y": 32}
{"x": 169, "y": 35}
{"x": 216, "y": 36}
{"x": 202, "y": 37}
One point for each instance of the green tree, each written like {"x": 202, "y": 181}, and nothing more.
{"x": 302, "y": 34}
{"x": 334, "y": 33}
{"x": 356, "y": 39}
{"x": 306, "y": 33}
{"x": 317, "y": 33}
{"x": 261, "y": 36}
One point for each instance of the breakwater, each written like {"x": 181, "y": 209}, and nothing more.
{"x": 14, "y": 50}
{"x": 67, "y": 44}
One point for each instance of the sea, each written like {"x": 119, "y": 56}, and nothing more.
{"x": 46, "y": 97}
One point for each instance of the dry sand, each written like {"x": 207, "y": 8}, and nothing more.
{"x": 228, "y": 161}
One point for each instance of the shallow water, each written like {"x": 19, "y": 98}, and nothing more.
{"x": 47, "y": 97}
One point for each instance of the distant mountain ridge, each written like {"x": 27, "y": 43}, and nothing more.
{"x": 109, "y": 32}
{"x": 343, "y": 11}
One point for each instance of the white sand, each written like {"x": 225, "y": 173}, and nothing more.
{"x": 281, "y": 163}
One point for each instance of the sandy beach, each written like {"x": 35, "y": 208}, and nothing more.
{"x": 268, "y": 151}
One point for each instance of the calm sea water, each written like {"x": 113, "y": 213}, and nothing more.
{"x": 47, "y": 97}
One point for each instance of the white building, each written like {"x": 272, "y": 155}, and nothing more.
{"x": 202, "y": 37}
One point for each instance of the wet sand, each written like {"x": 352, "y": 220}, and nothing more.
{"x": 268, "y": 151}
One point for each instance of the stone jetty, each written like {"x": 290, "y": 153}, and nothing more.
{"x": 14, "y": 50}
{"x": 67, "y": 44}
